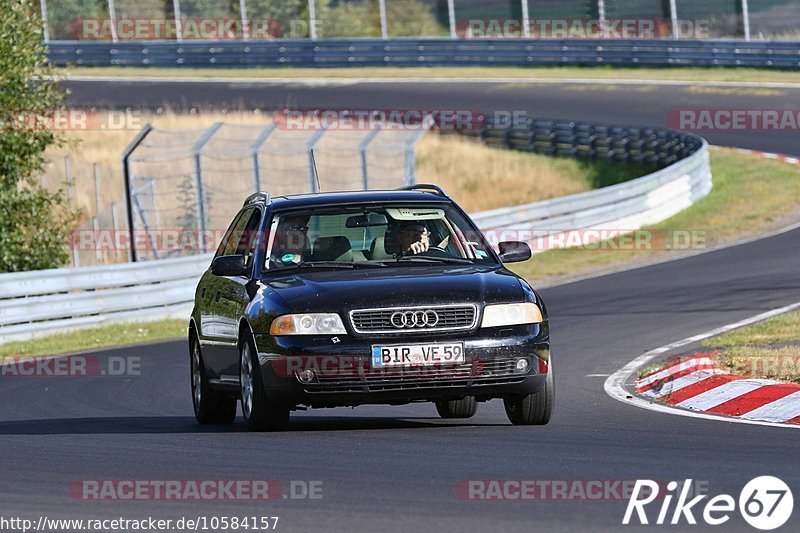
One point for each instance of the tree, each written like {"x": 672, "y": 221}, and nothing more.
{"x": 34, "y": 223}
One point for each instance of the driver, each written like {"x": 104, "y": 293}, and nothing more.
{"x": 291, "y": 245}
{"x": 414, "y": 238}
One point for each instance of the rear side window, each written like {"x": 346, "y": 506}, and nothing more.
{"x": 242, "y": 236}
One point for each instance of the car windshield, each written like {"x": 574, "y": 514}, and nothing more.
{"x": 374, "y": 236}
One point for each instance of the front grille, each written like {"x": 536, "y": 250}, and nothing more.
{"x": 366, "y": 379}
{"x": 420, "y": 319}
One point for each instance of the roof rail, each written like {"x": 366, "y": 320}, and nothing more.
{"x": 425, "y": 187}
{"x": 256, "y": 197}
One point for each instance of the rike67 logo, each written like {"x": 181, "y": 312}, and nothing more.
{"x": 765, "y": 503}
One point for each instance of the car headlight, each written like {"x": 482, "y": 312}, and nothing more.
{"x": 511, "y": 315}
{"x": 307, "y": 324}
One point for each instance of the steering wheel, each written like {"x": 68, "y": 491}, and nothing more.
{"x": 434, "y": 251}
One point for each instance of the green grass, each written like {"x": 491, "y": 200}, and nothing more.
{"x": 96, "y": 338}
{"x": 751, "y": 195}
{"x": 780, "y": 329}
{"x": 768, "y": 349}
{"x": 601, "y": 72}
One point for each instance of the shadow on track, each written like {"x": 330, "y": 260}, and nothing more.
{"x": 187, "y": 424}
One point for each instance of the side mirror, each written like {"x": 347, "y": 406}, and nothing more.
{"x": 514, "y": 251}
{"x": 229, "y": 265}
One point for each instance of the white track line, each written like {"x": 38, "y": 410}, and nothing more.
{"x": 617, "y": 384}
{"x": 406, "y": 80}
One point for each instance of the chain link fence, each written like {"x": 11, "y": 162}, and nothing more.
{"x": 223, "y": 20}
{"x": 191, "y": 182}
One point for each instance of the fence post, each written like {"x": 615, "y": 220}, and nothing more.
{"x": 746, "y": 17}
{"x": 96, "y": 169}
{"x": 256, "y": 146}
{"x": 411, "y": 163}
{"x": 601, "y": 16}
{"x": 176, "y": 14}
{"x": 673, "y": 15}
{"x": 243, "y": 14}
{"x": 126, "y": 175}
{"x": 197, "y": 149}
{"x": 526, "y": 20}
{"x": 384, "y": 28}
{"x": 115, "y": 228}
{"x": 112, "y": 14}
{"x": 451, "y": 15}
{"x": 312, "y": 170}
{"x": 362, "y": 152}
{"x": 68, "y": 176}
{"x": 312, "y": 15}
{"x": 45, "y": 29}
{"x": 98, "y": 256}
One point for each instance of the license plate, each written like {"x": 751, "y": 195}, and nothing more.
{"x": 405, "y": 355}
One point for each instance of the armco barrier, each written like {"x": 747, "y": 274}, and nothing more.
{"x": 684, "y": 178}
{"x": 47, "y": 301}
{"x": 409, "y": 52}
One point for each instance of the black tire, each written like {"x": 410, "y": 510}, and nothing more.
{"x": 463, "y": 408}
{"x": 209, "y": 407}
{"x": 534, "y": 409}
{"x": 258, "y": 412}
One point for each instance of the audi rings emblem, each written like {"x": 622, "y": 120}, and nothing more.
{"x": 414, "y": 319}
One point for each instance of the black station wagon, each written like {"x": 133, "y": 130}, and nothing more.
{"x": 374, "y": 297}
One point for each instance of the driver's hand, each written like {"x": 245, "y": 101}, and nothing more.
{"x": 418, "y": 247}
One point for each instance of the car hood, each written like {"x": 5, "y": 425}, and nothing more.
{"x": 345, "y": 290}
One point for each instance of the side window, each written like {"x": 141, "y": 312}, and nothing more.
{"x": 229, "y": 235}
{"x": 246, "y": 244}
{"x": 236, "y": 234}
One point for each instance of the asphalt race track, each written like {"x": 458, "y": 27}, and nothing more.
{"x": 396, "y": 468}
{"x": 646, "y": 105}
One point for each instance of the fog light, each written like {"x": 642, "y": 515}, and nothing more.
{"x": 306, "y": 376}
{"x": 522, "y": 365}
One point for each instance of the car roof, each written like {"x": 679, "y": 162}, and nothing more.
{"x": 360, "y": 197}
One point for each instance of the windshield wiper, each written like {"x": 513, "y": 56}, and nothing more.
{"x": 426, "y": 259}
{"x": 327, "y": 264}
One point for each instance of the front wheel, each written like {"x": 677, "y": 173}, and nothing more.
{"x": 463, "y": 408}
{"x": 533, "y": 409}
{"x": 209, "y": 407}
{"x": 259, "y": 413}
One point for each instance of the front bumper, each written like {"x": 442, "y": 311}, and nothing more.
{"x": 343, "y": 376}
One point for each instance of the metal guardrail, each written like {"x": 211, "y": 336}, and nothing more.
{"x": 41, "y": 302}
{"x": 409, "y": 52}
{"x": 684, "y": 177}
{"x": 49, "y": 301}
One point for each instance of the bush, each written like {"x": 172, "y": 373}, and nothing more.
{"x": 34, "y": 223}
